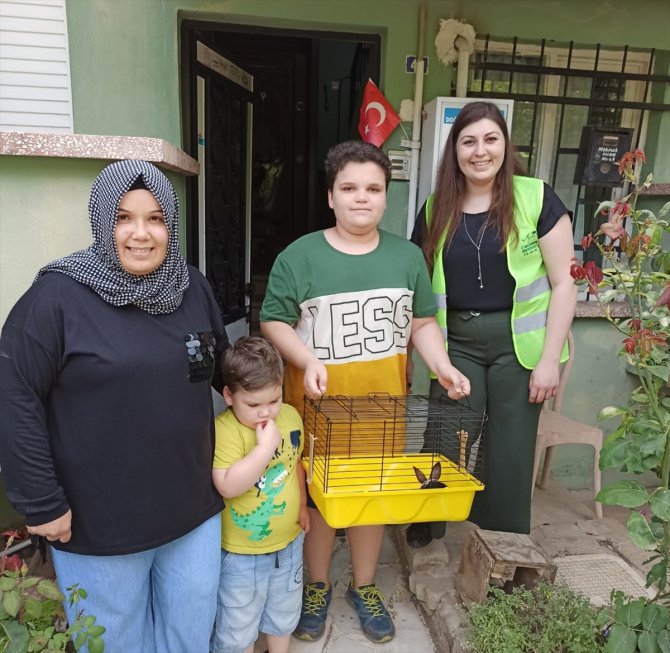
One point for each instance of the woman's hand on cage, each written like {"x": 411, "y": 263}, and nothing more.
{"x": 456, "y": 383}
{"x": 315, "y": 379}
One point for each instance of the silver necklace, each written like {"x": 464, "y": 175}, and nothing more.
{"x": 477, "y": 246}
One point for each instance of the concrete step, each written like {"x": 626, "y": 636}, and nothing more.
{"x": 343, "y": 632}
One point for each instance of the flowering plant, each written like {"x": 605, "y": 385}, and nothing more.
{"x": 636, "y": 268}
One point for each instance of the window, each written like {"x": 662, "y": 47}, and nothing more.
{"x": 558, "y": 89}
{"x": 35, "y": 93}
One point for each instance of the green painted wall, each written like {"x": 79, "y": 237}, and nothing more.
{"x": 44, "y": 217}
{"x": 124, "y": 54}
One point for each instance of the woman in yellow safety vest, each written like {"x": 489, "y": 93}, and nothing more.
{"x": 499, "y": 247}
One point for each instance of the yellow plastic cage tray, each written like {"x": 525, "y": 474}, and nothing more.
{"x": 382, "y": 459}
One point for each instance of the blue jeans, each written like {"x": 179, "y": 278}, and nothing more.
{"x": 258, "y": 593}
{"x": 158, "y": 601}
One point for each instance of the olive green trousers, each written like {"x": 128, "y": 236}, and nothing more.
{"x": 481, "y": 347}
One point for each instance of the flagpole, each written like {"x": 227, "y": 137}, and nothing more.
{"x": 416, "y": 124}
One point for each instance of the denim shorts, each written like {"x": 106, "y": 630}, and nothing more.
{"x": 257, "y": 593}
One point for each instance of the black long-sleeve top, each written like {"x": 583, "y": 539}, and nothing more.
{"x": 108, "y": 411}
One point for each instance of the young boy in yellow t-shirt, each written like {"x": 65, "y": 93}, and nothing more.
{"x": 257, "y": 470}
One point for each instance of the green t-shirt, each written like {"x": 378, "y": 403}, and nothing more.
{"x": 265, "y": 518}
{"x": 353, "y": 311}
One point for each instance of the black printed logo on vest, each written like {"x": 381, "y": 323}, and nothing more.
{"x": 529, "y": 243}
{"x": 200, "y": 350}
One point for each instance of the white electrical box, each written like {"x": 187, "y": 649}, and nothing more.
{"x": 439, "y": 115}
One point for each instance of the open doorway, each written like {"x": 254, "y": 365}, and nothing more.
{"x": 306, "y": 93}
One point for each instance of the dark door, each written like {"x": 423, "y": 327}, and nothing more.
{"x": 223, "y": 106}
{"x": 307, "y": 89}
{"x": 280, "y": 169}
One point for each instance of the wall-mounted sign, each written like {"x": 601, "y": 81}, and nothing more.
{"x": 599, "y": 151}
{"x": 410, "y": 64}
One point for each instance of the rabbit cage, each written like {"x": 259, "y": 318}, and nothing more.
{"x": 384, "y": 459}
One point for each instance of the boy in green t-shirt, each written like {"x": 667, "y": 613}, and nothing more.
{"x": 341, "y": 306}
{"x": 257, "y": 470}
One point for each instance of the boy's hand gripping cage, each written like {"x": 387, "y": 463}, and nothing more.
{"x": 385, "y": 459}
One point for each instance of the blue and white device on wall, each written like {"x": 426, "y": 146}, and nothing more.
{"x": 439, "y": 115}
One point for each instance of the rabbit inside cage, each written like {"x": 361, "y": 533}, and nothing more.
{"x": 380, "y": 450}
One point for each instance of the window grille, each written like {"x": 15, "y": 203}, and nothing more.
{"x": 558, "y": 89}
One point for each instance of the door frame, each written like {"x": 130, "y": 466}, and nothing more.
{"x": 221, "y": 70}
{"x": 189, "y": 34}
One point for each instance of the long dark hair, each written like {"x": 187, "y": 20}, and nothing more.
{"x": 450, "y": 188}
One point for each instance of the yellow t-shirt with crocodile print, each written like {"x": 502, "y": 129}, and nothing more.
{"x": 263, "y": 519}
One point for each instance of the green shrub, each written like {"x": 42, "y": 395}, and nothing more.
{"x": 32, "y": 618}
{"x": 546, "y": 619}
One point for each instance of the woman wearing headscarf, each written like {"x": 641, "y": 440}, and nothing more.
{"x": 106, "y": 419}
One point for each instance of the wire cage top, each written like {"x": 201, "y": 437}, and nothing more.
{"x": 383, "y": 459}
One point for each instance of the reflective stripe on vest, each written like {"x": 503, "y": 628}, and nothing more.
{"x": 524, "y": 261}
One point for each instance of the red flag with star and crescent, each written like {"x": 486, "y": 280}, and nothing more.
{"x": 378, "y": 118}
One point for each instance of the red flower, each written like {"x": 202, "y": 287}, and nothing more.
{"x": 620, "y": 210}
{"x": 664, "y": 299}
{"x": 649, "y": 339}
{"x": 629, "y": 162}
{"x": 641, "y": 241}
{"x": 589, "y": 272}
{"x": 644, "y": 340}
{"x": 634, "y": 325}
{"x": 586, "y": 241}
{"x": 594, "y": 275}
{"x": 11, "y": 563}
{"x": 577, "y": 272}
{"x": 613, "y": 228}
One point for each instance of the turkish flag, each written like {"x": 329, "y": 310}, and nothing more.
{"x": 378, "y": 118}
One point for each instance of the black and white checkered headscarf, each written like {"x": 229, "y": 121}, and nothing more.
{"x": 98, "y": 266}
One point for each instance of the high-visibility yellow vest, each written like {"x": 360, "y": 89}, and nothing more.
{"x": 524, "y": 261}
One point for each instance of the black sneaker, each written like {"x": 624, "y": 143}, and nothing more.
{"x": 315, "y": 601}
{"x": 376, "y": 622}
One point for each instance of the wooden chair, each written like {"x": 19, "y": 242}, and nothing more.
{"x": 555, "y": 428}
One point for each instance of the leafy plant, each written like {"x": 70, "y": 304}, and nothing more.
{"x": 635, "y": 624}
{"x": 638, "y": 271}
{"x": 32, "y": 619}
{"x": 545, "y": 619}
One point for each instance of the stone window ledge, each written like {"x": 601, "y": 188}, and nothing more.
{"x": 89, "y": 146}
{"x": 656, "y": 189}
{"x": 592, "y": 309}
